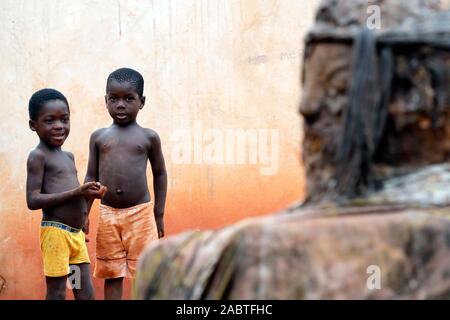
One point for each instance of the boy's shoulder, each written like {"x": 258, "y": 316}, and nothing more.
{"x": 36, "y": 153}
{"x": 39, "y": 155}
{"x": 97, "y": 133}
{"x": 152, "y": 135}
{"x": 70, "y": 154}
{"x": 36, "y": 157}
{"x": 148, "y": 133}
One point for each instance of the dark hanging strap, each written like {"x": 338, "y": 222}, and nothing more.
{"x": 386, "y": 75}
{"x": 365, "y": 117}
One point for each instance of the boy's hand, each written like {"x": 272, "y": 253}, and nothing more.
{"x": 160, "y": 226}
{"x": 89, "y": 190}
{"x": 103, "y": 190}
{"x": 92, "y": 190}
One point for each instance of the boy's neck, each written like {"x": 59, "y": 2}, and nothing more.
{"x": 43, "y": 144}
{"x": 125, "y": 125}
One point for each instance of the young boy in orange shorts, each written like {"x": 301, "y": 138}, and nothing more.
{"x": 118, "y": 157}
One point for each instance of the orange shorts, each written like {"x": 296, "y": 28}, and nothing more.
{"x": 121, "y": 237}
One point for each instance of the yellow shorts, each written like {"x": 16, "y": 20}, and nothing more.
{"x": 122, "y": 235}
{"x": 61, "y": 245}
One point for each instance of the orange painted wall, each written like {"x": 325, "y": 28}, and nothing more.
{"x": 224, "y": 66}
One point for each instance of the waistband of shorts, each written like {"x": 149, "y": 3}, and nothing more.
{"x": 141, "y": 205}
{"x": 60, "y": 226}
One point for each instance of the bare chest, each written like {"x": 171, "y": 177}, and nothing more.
{"x": 60, "y": 171}
{"x": 123, "y": 147}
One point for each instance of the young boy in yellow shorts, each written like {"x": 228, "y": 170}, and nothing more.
{"x": 52, "y": 185}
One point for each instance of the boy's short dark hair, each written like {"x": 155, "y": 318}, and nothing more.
{"x": 40, "y": 97}
{"x": 129, "y": 75}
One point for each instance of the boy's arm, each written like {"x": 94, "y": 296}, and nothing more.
{"x": 159, "y": 180}
{"x": 92, "y": 173}
{"x": 35, "y": 176}
{"x": 92, "y": 169}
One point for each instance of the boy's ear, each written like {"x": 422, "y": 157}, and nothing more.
{"x": 32, "y": 125}
{"x": 142, "y": 102}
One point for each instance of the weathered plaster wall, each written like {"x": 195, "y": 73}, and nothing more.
{"x": 212, "y": 68}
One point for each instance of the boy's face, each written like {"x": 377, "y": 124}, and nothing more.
{"x": 53, "y": 123}
{"x": 123, "y": 102}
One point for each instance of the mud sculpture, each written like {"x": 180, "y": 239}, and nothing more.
{"x": 376, "y": 111}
